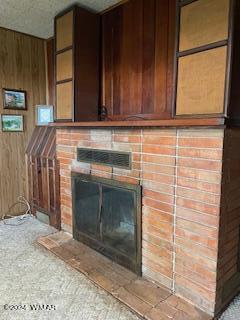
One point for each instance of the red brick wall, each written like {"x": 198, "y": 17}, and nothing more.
{"x": 180, "y": 172}
{"x": 198, "y": 189}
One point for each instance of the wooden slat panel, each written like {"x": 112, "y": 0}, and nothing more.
{"x": 203, "y": 22}
{"x": 43, "y": 173}
{"x": 64, "y": 100}
{"x": 64, "y": 65}
{"x": 111, "y": 78}
{"x": 64, "y": 31}
{"x": 161, "y": 56}
{"x": 149, "y": 66}
{"x": 201, "y": 82}
{"x": 131, "y": 62}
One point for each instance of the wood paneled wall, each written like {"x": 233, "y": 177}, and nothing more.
{"x": 138, "y": 54}
{"x": 22, "y": 66}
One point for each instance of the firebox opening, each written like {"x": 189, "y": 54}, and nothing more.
{"x": 107, "y": 217}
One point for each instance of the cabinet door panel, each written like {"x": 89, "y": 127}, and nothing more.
{"x": 203, "y": 22}
{"x": 201, "y": 82}
{"x": 64, "y": 31}
{"x": 64, "y": 65}
{"x": 64, "y": 101}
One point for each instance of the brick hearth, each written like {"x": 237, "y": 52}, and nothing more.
{"x": 149, "y": 301}
{"x": 180, "y": 171}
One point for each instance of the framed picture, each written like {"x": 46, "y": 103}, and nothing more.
{"x": 44, "y": 115}
{"x": 14, "y": 99}
{"x": 12, "y": 123}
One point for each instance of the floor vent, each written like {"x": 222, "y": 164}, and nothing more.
{"x": 106, "y": 157}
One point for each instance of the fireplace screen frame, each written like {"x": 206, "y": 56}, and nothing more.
{"x": 132, "y": 263}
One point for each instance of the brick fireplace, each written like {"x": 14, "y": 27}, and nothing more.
{"x": 190, "y": 233}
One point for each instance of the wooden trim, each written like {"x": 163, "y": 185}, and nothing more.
{"x": 148, "y": 116}
{"x": 201, "y": 122}
{"x": 66, "y": 10}
{"x": 183, "y": 3}
{"x": 175, "y": 66}
{"x": 63, "y": 81}
{"x": 113, "y": 6}
{"x": 22, "y": 33}
{"x": 228, "y": 76}
{"x": 50, "y": 66}
{"x": 206, "y": 47}
{"x": 74, "y": 57}
{"x": 55, "y": 71}
{"x": 199, "y": 116}
{"x": 65, "y": 49}
{"x": 46, "y": 70}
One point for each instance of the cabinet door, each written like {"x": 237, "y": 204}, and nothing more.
{"x": 64, "y": 101}
{"x": 201, "y": 82}
{"x": 202, "y": 58}
{"x": 203, "y": 22}
{"x": 64, "y": 31}
{"x": 64, "y": 65}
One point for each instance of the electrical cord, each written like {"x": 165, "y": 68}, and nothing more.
{"x": 104, "y": 115}
{"x": 20, "y": 220}
{"x": 126, "y": 118}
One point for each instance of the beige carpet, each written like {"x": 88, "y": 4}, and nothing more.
{"x": 30, "y": 276}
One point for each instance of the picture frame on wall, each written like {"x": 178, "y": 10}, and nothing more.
{"x": 44, "y": 115}
{"x": 14, "y": 99}
{"x": 12, "y": 123}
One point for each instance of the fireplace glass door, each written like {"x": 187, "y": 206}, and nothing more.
{"x": 106, "y": 216}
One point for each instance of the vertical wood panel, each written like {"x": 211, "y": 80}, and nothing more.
{"x": 148, "y": 72}
{"x": 171, "y": 55}
{"x": 22, "y": 66}
{"x": 111, "y": 51}
{"x": 161, "y": 56}
{"x": 138, "y": 55}
{"x": 131, "y": 58}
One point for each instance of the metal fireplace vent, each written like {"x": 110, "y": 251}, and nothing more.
{"x": 106, "y": 157}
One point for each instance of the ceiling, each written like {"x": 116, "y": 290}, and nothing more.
{"x": 35, "y": 17}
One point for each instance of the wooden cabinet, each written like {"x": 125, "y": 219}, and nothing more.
{"x": 207, "y": 67}
{"x": 77, "y": 54}
{"x": 43, "y": 174}
{"x": 138, "y": 39}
